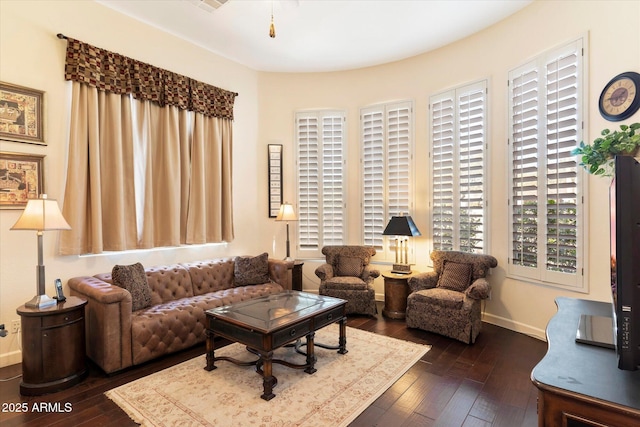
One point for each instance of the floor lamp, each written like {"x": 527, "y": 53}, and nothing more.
{"x": 287, "y": 214}
{"x": 41, "y": 214}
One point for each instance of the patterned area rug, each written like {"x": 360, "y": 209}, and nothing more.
{"x": 343, "y": 386}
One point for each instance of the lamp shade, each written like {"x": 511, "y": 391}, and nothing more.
{"x": 401, "y": 226}
{"x": 286, "y": 213}
{"x": 41, "y": 214}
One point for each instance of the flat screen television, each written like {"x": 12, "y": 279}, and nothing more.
{"x": 624, "y": 195}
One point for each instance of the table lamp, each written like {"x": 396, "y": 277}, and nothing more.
{"x": 41, "y": 214}
{"x": 287, "y": 213}
{"x": 401, "y": 226}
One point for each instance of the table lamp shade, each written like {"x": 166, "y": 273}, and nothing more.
{"x": 401, "y": 226}
{"x": 41, "y": 214}
{"x": 286, "y": 213}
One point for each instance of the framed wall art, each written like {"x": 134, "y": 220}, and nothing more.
{"x": 21, "y": 179}
{"x": 275, "y": 178}
{"x": 21, "y": 114}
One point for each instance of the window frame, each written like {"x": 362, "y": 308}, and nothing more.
{"x": 385, "y": 251}
{"x": 540, "y": 274}
{"x": 455, "y": 94}
{"x": 320, "y": 115}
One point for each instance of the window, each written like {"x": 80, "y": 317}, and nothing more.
{"x": 545, "y": 200}
{"x": 321, "y": 198}
{"x": 387, "y": 157}
{"x": 458, "y": 168}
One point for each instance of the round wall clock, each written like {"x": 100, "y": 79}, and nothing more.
{"x": 619, "y": 99}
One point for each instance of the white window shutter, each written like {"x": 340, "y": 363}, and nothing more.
{"x": 320, "y": 188}
{"x": 546, "y": 190}
{"x": 373, "y": 166}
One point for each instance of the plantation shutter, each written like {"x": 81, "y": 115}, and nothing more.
{"x": 442, "y": 169}
{"x": 458, "y": 140}
{"x": 373, "y": 211}
{"x": 386, "y": 163}
{"x": 320, "y": 192}
{"x": 546, "y": 190}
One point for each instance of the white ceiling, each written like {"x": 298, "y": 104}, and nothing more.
{"x": 319, "y": 35}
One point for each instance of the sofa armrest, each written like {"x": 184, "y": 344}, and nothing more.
{"x": 479, "y": 289}
{"x": 421, "y": 281}
{"x": 325, "y": 271}
{"x": 369, "y": 273}
{"x": 107, "y": 322}
{"x": 279, "y": 272}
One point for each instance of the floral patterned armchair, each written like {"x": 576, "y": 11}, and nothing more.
{"x": 348, "y": 275}
{"x": 447, "y": 301}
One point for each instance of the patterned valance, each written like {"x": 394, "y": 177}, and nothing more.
{"x": 119, "y": 74}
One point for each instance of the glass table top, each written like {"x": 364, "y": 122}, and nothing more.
{"x": 274, "y": 311}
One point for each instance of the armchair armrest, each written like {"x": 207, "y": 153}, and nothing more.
{"x": 421, "y": 281}
{"x": 325, "y": 271}
{"x": 369, "y": 273}
{"x": 479, "y": 289}
{"x": 107, "y": 322}
{"x": 279, "y": 272}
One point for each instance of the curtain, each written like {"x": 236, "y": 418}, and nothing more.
{"x": 144, "y": 173}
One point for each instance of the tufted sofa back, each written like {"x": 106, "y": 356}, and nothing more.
{"x": 212, "y": 275}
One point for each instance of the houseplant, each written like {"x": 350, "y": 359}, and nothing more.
{"x": 597, "y": 158}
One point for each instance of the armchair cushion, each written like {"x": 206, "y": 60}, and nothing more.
{"x": 440, "y": 297}
{"x": 252, "y": 270}
{"x": 455, "y": 276}
{"x": 134, "y": 279}
{"x": 349, "y": 266}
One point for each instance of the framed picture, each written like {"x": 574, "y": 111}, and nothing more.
{"x": 21, "y": 114}
{"x": 21, "y": 179}
{"x": 275, "y": 178}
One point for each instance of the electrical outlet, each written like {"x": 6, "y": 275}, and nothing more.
{"x": 15, "y": 326}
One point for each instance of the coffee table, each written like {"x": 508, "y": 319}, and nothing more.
{"x": 267, "y": 323}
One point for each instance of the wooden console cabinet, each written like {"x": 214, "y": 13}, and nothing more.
{"x": 53, "y": 341}
{"x": 580, "y": 384}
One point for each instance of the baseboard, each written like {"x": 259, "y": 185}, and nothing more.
{"x": 11, "y": 358}
{"x": 515, "y": 326}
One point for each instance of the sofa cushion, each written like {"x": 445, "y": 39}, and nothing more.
{"x": 349, "y": 266}
{"x": 455, "y": 276}
{"x": 134, "y": 279}
{"x": 439, "y": 297}
{"x": 252, "y": 270}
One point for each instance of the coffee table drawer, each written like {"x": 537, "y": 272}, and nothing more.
{"x": 329, "y": 317}
{"x": 236, "y": 333}
{"x": 291, "y": 333}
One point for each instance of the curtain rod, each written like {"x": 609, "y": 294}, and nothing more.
{"x": 63, "y": 37}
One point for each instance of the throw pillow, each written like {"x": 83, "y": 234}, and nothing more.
{"x": 455, "y": 276}
{"x": 134, "y": 279}
{"x": 349, "y": 266}
{"x": 251, "y": 270}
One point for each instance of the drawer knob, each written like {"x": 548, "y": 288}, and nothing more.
{"x": 293, "y": 332}
{"x": 66, "y": 318}
{"x": 330, "y": 316}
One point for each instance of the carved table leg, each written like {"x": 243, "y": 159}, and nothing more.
{"x": 210, "y": 345}
{"x": 343, "y": 336}
{"x": 311, "y": 358}
{"x": 268, "y": 381}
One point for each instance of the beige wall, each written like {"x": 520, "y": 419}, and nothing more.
{"x": 490, "y": 54}
{"x": 31, "y": 55}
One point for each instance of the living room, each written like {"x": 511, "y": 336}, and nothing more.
{"x": 32, "y": 56}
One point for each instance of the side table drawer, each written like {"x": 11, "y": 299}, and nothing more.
{"x": 62, "y": 318}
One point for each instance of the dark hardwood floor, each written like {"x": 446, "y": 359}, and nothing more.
{"x": 484, "y": 384}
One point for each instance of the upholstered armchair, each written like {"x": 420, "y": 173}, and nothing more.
{"x": 447, "y": 301}
{"x": 348, "y": 275}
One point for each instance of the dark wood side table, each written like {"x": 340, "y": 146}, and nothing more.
{"x": 53, "y": 341}
{"x": 296, "y": 275}
{"x": 580, "y": 384}
{"x": 396, "y": 291}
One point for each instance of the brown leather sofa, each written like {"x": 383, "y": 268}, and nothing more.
{"x": 118, "y": 337}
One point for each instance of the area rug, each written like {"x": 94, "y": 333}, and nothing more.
{"x": 343, "y": 386}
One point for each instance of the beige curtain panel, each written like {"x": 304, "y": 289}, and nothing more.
{"x": 143, "y": 175}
